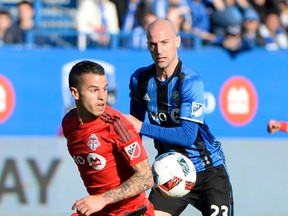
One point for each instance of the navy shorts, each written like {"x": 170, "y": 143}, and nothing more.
{"x": 212, "y": 195}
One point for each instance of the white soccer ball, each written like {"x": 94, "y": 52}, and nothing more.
{"x": 174, "y": 175}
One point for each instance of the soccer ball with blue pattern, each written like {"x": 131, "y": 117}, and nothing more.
{"x": 174, "y": 175}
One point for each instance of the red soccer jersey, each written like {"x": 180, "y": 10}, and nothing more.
{"x": 104, "y": 151}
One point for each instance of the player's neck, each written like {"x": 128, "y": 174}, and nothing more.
{"x": 163, "y": 74}
{"x": 85, "y": 117}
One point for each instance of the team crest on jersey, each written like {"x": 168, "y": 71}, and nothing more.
{"x": 176, "y": 98}
{"x": 197, "y": 109}
{"x": 93, "y": 142}
{"x": 133, "y": 150}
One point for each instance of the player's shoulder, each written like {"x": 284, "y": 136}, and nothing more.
{"x": 143, "y": 71}
{"x": 111, "y": 115}
{"x": 69, "y": 120}
{"x": 116, "y": 115}
{"x": 190, "y": 74}
{"x": 117, "y": 120}
{"x": 112, "y": 111}
{"x": 71, "y": 113}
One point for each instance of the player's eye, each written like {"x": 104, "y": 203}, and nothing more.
{"x": 93, "y": 90}
{"x": 151, "y": 45}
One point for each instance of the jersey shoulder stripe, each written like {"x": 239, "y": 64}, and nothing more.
{"x": 118, "y": 125}
{"x": 122, "y": 131}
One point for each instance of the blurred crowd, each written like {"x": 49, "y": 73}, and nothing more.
{"x": 235, "y": 25}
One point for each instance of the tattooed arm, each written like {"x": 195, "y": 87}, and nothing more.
{"x": 139, "y": 182}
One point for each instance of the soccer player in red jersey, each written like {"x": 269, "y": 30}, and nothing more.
{"x": 274, "y": 126}
{"x": 108, "y": 151}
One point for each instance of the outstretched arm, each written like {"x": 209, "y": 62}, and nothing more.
{"x": 139, "y": 182}
{"x": 274, "y": 126}
{"x": 184, "y": 135}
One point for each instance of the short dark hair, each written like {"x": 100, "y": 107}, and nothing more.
{"x": 25, "y": 2}
{"x": 5, "y": 12}
{"x": 81, "y": 68}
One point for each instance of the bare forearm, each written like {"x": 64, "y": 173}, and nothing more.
{"x": 141, "y": 181}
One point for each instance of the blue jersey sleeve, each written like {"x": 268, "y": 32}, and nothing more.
{"x": 184, "y": 135}
{"x": 137, "y": 108}
{"x": 192, "y": 100}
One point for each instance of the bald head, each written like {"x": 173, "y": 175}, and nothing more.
{"x": 161, "y": 26}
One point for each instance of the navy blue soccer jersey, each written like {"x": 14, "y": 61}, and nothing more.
{"x": 177, "y": 105}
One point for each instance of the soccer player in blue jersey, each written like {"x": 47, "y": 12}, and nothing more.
{"x": 173, "y": 96}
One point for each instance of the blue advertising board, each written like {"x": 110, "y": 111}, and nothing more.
{"x": 242, "y": 93}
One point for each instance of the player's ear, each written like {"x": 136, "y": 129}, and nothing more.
{"x": 74, "y": 93}
{"x": 177, "y": 41}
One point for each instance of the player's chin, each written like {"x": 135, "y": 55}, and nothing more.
{"x": 162, "y": 65}
{"x": 99, "y": 111}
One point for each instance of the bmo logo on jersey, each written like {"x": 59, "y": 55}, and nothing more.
{"x": 98, "y": 162}
{"x": 163, "y": 117}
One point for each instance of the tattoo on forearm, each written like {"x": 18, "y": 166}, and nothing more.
{"x": 141, "y": 181}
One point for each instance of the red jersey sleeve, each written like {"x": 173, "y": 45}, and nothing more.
{"x": 129, "y": 141}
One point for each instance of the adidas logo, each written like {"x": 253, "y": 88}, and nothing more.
{"x": 146, "y": 97}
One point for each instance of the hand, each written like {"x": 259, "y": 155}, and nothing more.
{"x": 137, "y": 124}
{"x": 273, "y": 126}
{"x": 88, "y": 205}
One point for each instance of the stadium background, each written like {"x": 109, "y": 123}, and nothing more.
{"x": 38, "y": 177}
